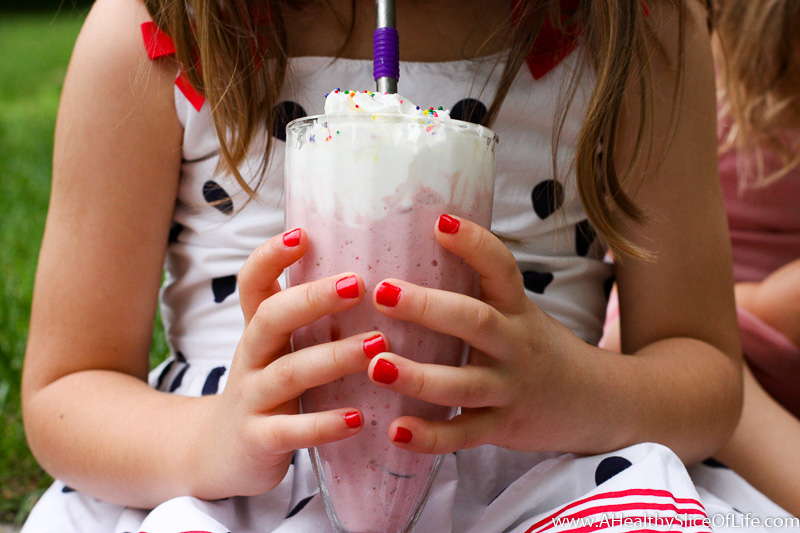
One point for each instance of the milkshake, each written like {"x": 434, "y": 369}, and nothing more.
{"x": 367, "y": 181}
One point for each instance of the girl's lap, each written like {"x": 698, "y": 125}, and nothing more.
{"x": 534, "y": 492}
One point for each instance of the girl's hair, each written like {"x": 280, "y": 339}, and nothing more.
{"x": 235, "y": 53}
{"x": 759, "y": 71}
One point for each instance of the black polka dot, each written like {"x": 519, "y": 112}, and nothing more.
{"x": 584, "y": 237}
{"x": 547, "y": 197}
{"x": 536, "y": 281}
{"x": 174, "y": 231}
{"x": 610, "y": 467}
{"x": 469, "y": 110}
{"x": 299, "y": 506}
{"x": 162, "y": 376}
{"x": 178, "y": 379}
{"x": 216, "y": 197}
{"x": 713, "y": 463}
{"x": 608, "y": 285}
{"x": 223, "y": 287}
{"x": 211, "y": 386}
{"x": 282, "y": 114}
{"x": 67, "y": 490}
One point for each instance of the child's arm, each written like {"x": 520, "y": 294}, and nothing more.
{"x": 533, "y": 385}
{"x": 90, "y": 417}
{"x": 775, "y": 300}
{"x": 764, "y": 448}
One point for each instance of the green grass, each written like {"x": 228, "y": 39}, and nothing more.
{"x": 34, "y": 52}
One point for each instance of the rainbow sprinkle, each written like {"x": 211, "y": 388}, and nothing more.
{"x": 429, "y": 125}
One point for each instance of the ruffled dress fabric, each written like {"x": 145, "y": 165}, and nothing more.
{"x": 483, "y": 490}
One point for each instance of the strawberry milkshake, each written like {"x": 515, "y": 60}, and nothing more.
{"x": 368, "y": 180}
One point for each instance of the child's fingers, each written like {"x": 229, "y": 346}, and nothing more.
{"x": 476, "y": 322}
{"x": 501, "y": 280}
{"x": 258, "y": 278}
{"x": 286, "y": 433}
{"x": 470, "y": 429}
{"x": 467, "y": 386}
{"x": 290, "y": 376}
{"x": 285, "y": 311}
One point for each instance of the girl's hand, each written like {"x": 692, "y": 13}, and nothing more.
{"x": 254, "y": 428}
{"x": 775, "y": 300}
{"x": 513, "y": 391}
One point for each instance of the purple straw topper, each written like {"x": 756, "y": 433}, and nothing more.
{"x": 386, "y": 58}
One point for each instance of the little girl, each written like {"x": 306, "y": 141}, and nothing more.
{"x": 169, "y": 154}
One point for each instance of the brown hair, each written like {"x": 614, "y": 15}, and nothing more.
{"x": 758, "y": 72}
{"x": 241, "y": 46}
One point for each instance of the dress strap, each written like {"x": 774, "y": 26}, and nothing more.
{"x": 553, "y": 44}
{"x": 158, "y": 44}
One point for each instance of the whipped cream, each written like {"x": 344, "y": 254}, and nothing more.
{"x": 372, "y": 155}
{"x": 346, "y": 102}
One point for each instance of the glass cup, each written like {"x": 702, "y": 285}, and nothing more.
{"x": 369, "y": 189}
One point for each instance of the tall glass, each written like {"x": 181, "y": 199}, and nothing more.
{"x": 368, "y": 189}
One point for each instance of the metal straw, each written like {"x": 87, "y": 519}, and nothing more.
{"x": 386, "y": 47}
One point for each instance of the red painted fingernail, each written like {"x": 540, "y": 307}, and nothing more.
{"x": 448, "y": 224}
{"x": 384, "y": 372}
{"x": 402, "y": 435}
{"x": 352, "y": 419}
{"x": 347, "y": 287}
{"x": 373, "y": 346}
{"x": 387, "y": 294}
{"x": 292, "y": 238}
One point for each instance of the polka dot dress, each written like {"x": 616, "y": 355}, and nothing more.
{"x": 538, "y": 216}
{"x": 216, "y": 225}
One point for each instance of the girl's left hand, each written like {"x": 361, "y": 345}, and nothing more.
{"x": 514, "y": 392}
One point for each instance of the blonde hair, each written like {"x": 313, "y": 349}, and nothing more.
{"x": 242, "y": 47}
{"x": 760, "y": 65}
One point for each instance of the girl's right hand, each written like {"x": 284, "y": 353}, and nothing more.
{"x": 254, "y": 427}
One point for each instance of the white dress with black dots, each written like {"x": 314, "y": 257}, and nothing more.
{"x": 483, "y": 490}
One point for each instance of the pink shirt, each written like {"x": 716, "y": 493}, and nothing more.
{"x": 765, "y": 234}
{"x": 764, "y": 222}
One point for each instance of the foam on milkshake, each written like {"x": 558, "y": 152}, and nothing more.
{"x": 398, "y": 163}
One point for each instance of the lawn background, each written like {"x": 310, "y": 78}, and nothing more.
{"x": 35, "y": 47}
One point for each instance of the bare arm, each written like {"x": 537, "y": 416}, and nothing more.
{"x": 677, "y": 314}
{"x": 115, "y": 174}
{"x": 763, "y": 449}
{"x": 90, "y": 417}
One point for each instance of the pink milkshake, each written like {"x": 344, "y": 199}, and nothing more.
{"x": 368, "y": 180}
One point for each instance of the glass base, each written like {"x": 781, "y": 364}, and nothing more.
{"x": 381, "y": 502}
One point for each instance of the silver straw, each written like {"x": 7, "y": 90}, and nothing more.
{"x": 385, "y": 18}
